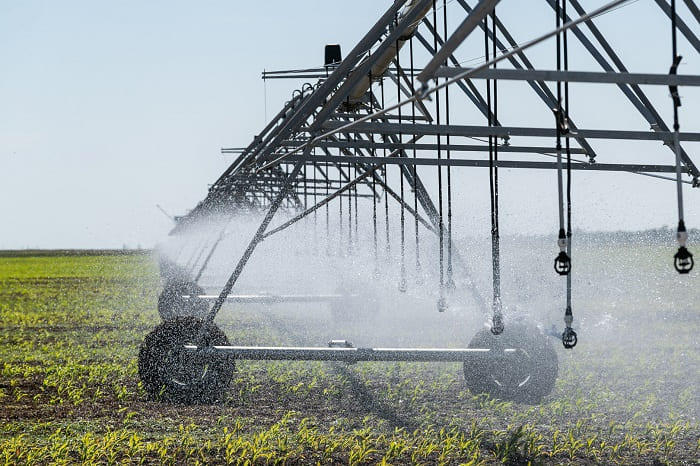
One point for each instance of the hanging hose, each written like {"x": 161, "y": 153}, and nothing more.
{"x": 402, "y": 285}
{"x": 374, "y": 218}
{"x": 315, "y": 188}
{"x": 497, "y": 326}
{"x": 349, "y": 209}
{"x": 356, "y": 197}
{"x": 442, "y": 301}
{"x": 450, "y": 284}
{"x": 374, "y": 186}
{"x": 374, "y": 215}
{"x": 683, "y": 259}
{"x": 419, "y": 271}
{"x": 328, "y": 210}
{"x": 568, "y": 337}
{"x": 386, "y": 196}
{"x": 340, "y": 210}
{"x": 305, "y": 186}
{"x": 562, "y": 263}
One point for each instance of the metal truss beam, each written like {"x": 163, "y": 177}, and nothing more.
{"x": 465, "y": 85}
{"x": 362, "y": 71}
{"x": 369, "y": 171}
{"x": 574, "y": 76}
{"x": 507, "y": 131}
{"x": 540, "y": 88}
{"x": 523, "y": 74}
{"x": 433, "y": 147}
{"x": 685, "y": 30}
{"x": 453, "y": 162}
{"x": 693, "y": 9}
{"x": 470, "y": 23}
{"x": 305, "y": 110}
{"x": 633, "y": 92}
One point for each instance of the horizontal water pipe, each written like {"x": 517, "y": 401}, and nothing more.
{"x": 266, "y": 353}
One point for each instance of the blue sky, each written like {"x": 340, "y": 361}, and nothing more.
{"x": 109, "y": 108}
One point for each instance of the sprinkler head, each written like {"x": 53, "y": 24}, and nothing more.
{"x": 497, "y": 327}
{"x": 420, "y": 279}
{"x": 683, "y": 261}
{"x": 402, "y": 285}
{"x": 569, "y": 338}
{"x": 562, "y": 264}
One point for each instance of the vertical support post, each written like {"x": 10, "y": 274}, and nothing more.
{"x": 257, "y": 238}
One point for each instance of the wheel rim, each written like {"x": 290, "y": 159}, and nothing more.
{"x": 521, "y": 365}
{"x": 170, "y": 373}
{"x": 512, "y": 370}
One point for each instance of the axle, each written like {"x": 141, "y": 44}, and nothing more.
{"x": 349, "y": 354}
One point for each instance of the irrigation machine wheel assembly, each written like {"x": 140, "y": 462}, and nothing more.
{"x": 522, "y": 366}
{"x": 180, "y": 299}
{"x": 170, "y": 373}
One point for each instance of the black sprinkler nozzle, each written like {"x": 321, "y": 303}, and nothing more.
{"x": 497, "y": 327}
{"x": 562, "y": 263}
{"x": 569, "y": 338}
{"x": 683, "y": 260}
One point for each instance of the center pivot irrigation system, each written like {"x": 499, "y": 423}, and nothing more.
{"x": 336, "y": 145}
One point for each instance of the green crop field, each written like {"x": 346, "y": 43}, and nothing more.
{"x": 71, "y": 326}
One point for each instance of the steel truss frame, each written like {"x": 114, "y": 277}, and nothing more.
{"x": 335, "y": 138}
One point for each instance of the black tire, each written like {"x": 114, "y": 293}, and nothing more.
{"x": 170, "y": 373}
{"x": 525, "y": 375}
{"x": 171, "y": 303}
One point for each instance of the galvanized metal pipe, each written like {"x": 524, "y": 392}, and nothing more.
{"x": 476, "y": 131}
{"x": 573, "y": 76}
{"x": 453, "y": 162}
{"x": 263, "y": 353}
{"x": 275, "y": 299}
